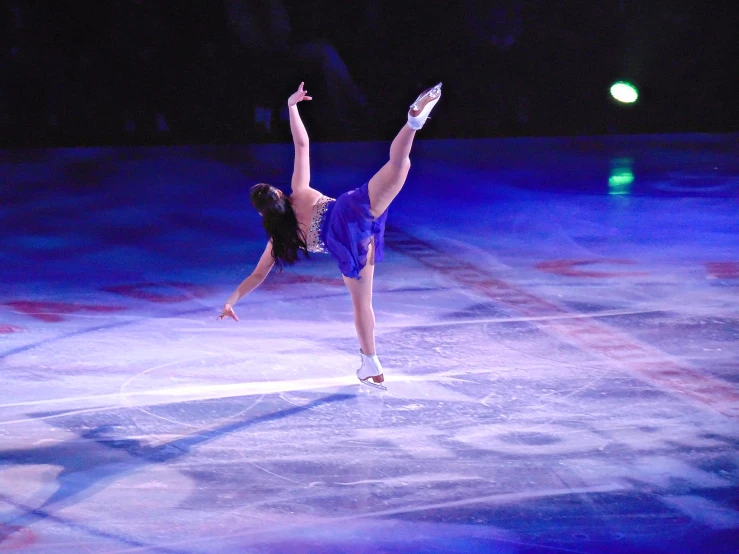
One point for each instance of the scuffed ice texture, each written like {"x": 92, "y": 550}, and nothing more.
{"x": 562, "y": 362}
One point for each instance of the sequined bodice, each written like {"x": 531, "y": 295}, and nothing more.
{"x": 313, "y": 238}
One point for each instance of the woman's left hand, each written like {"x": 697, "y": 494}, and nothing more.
{"x": 228, "y": 311}
{"x": 298, "y": 96}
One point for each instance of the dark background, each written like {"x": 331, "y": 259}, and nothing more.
{"x": 168, "y": 72}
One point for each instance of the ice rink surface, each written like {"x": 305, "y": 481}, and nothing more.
{"x": 558, "y": 320}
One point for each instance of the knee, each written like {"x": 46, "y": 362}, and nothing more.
{"x": 363, "y": 307}
{"x": 364, "y": 310}
{"x": 402, "y": 164}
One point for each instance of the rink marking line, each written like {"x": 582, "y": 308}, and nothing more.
{"x": 275, "y": 474}
{"x": 642, "y": 360}
{"x": 501, "y": 498}
{"x": 80, "y": 332}
{"x": 107, "y": 396}
{"x": 559, "y": 396}
{"x": 125, "y": 395}
{"x": 87, "y": 529}
{"x": 84, "y": 316}
{"x": 54, "y": 416}
{"x": 193, "y": 393}
{"x": 183, "y": 394}
{"x": 202, "y": 392}
{"x": 607, "y": 313}
{"x": 245, "y": 388}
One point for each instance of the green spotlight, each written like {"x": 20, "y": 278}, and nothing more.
{"x": 624, "y": 92}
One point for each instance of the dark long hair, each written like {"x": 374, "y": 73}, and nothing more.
{"x": 278, "y": 219}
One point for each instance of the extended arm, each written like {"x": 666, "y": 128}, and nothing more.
{"x": 301, "y": 168}
{"x": 264, "y": 266}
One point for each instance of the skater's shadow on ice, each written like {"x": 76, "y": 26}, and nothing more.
{"x": 97, "y": 458}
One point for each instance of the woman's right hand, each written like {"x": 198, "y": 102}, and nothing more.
{"x": 228, "y": 311}
{"x": 298, "y": 96}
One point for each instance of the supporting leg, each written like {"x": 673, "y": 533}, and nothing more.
{"x": 364, "y": 315}
{"x": 371, "y": 372}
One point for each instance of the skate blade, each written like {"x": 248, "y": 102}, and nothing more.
{"x": 370, "y": 383}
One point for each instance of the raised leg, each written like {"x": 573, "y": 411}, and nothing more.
{"x": 386, "y": 183}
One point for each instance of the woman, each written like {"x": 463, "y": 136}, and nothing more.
{"x": 350, "y": 228}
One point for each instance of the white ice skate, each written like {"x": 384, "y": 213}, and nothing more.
{"x": 370, "y": 373}
{"x": 421, "y": 108}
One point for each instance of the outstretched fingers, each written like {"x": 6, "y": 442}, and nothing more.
{"x": 298, "y": 96}
{"x": 228, "y": 312}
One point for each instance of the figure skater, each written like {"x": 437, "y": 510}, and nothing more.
{"x": 349, "y": 228}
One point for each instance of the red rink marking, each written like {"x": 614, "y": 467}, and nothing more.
{"x": 143, "y": 291}
{"x": 51, "y": 312}
{"x": 568, "y": 268}
{"x": 13, "y": 537}
{"x": 645, "y": 361}
{"x": 723, "y": 270}
{"x": 5, "y": 328}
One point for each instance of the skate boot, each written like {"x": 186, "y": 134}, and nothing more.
{"x": 421, "y": 108}
{"x": 370, "y": 373}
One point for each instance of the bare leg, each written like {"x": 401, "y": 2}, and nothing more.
{"x": 386, "y": 183}
{"x": 364, "y": 315}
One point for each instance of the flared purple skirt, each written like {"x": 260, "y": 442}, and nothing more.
{"x": 348, "y": 227}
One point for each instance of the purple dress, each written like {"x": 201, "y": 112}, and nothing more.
{"x": 344, "y": 227}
